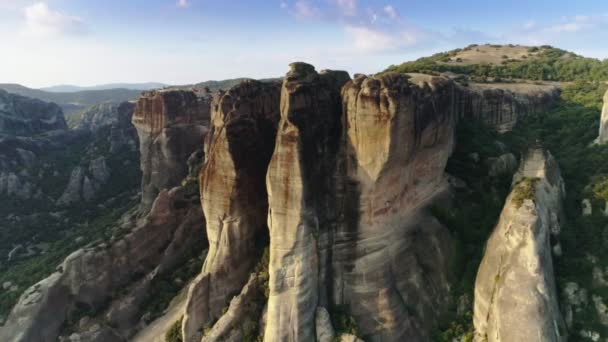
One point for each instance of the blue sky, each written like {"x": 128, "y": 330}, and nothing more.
{"x": 86, "y": 42}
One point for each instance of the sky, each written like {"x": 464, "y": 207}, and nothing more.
{"x": 87, "y": 42}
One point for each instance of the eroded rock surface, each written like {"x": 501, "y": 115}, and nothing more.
{"x": 603, "y": 136}
{"x": 501, "y": 106}
{"x": 171, "y": 125}
{"x": 303, "y": 200}
{"x": 21, "y": 115}
{"x": 233, "y": 194}
{"x": 91, "y": 276}
{"x": 515, "y": 294}
{"x": 390, "y": 255}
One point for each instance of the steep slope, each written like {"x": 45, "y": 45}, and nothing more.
{"x": 603, "y": 136}
{"x": 20, "y": 115}
{"x": 233, "y": 194}
{"x": 515, "y": 293}
{"x": 171, "y": 126}
{"x": 390, "y": 257}
{"x": 303, "y": 201}
{"x": 101, "y": 292}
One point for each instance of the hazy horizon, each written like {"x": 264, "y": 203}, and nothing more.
{"x": 87, "y": 43}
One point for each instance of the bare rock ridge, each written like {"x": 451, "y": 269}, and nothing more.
{"x": 515, "y": 294}
{"x": 603, "y": 136}
{"x": 336, "y": 178}
{"x": 390, "y": 255}
{"x": 233, "y": 195}
{"x": 25, "y": 116}
{"x": 171, "y": 125}
{"x": 304, "y": 207}
{"x": 110, "y": 279}
{"x": 501, "y": 106}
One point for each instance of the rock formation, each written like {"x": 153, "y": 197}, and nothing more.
{"x": 502, "y": 105}
{"x": 233, "y": 195}
{"x": 390, "y": 255}
{"x": 515, "y": 294}
{"x": 603, "y": 136}
{"x": 25, "y": 116}
{"x": 171, "y": 125}
{"x": 110, "y": 279}
{"x": 303, "y": 200}
{"x": 89, "y": 277}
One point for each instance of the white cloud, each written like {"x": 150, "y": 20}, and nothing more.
{"x": 391, "y": 12}
{"x": 367, "y": 39}
{"x": 42, "y": 21}
{"x": 183, "y": 3}
{"x": 347, "y": 8}
{"x": 305, "y": 9}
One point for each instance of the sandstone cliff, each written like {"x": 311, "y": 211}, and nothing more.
{"x": 233, "y": 195}
{"x": 390, "y": 255}
{"x": 25, "y": 116}
{"x": 502, "y": 105}
{"x": 515, "y": 294}
{"x": 171, "y": 125}
{"x": 304, "y": 207}
{"x": 603, "y": 136}
{"x": 109, "y": 280}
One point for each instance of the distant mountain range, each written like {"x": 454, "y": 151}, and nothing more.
{"x": 72, "y": 102}
{"x": 66, "y": 88}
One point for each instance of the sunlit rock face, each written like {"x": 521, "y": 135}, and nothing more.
{"x": 93, "y": 276}
{"x": 603, "y": 137}
{"x": 303, "y": 201}
{"x": 233, "y": 194}
{"x": 515, "y": 294}
{"x": 390, "y": 256}
{"x": 502, "y": 106}
{"x": 171, "y": 124}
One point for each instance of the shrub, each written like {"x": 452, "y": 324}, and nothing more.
{"x": 525, "y": 189}
{"x": 174, "y": 334}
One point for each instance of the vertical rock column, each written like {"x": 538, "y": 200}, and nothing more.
{"x": 515, "y": 295}
{"x": 603, "y": 137}
{"x": 391, "y": 257}
{"x": 233, "y": 195}
{"x": 171, "y": 125}
{"x": 302, "y": 200}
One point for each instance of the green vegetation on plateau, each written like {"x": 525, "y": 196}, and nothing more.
{"x": 545, "y": 63}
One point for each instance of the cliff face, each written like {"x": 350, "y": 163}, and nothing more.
{"x": 603, "y": 136}
{"x": 502, "y": 105}
{"x": 25, "y": 116}
{"x": 515, "y": 295}
{"x": 110, "y": 279}
{"x": 390, "y": 255}
{"x": 303, "y": 201}
{"x": 170, "y": 124}
{"x": 233, "y": 194}
{"x": 91, "y": 277}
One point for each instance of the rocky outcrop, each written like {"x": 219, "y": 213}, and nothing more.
{"x": 171, "y": 125}
{"x": 91, "y": 277}
{"x": 303, "y": 200}
{"x": 501, "y": 105}
{"x": 233, "y": 194}
{"x": 603, "y": 136}
{"x": 391, "y": 256}
{"x": 85, "y": 182}
{"x": 21, "y": 115}
{"x": 515, "y": 294}
{"x": 97, "y": 116}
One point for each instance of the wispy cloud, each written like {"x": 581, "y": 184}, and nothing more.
{"x": 183, "y": 3}
{"x": 558, "y": 30}
{"x": 42, "y": 21}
